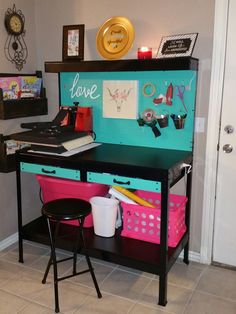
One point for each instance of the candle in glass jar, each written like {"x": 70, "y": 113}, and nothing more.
{"x": 144, "y": 53}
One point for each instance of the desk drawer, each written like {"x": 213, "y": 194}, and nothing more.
{"x": 50, "y": 171}
{"x": 126, "y": 182}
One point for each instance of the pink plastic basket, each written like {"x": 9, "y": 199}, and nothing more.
{"x": 56, "y": 188}
{"x": 143, "y": 223}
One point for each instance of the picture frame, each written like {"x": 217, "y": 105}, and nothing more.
{"x": 73, "y": 42}
{"x": 181, "y": 45}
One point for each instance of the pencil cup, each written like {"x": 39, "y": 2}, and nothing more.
{"x": 163, "y": 120}
{"x": 179, "y": 120}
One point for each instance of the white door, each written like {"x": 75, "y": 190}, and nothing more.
{"x": 224, "y": 243}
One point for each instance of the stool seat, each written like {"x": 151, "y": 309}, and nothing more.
{"x": 66, "y": 209}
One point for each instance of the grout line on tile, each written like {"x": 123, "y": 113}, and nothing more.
{"x": 26, "y": 299}
{"x": 135, "y": 273}
{"x": 161, "y": 308}
{"x": 35, "y": 303}
{"x": 216, "y": 296}
{"x": 108, "y": 275}
{"x": 118, "y": 296}
{"x": 194, "y": 290}
{"x": 81, "y": 284}
{"x": 132, "y": 307}
{"x": 188, "y": 301}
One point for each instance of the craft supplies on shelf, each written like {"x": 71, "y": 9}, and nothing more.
{"x": 120, "y": 196}
{"x": 144, "y": 223}
{"x": 133, "y": 196}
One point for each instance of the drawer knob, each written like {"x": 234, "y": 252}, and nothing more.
{"x": 120, "y": 182}
{"x": 47, "y": 171}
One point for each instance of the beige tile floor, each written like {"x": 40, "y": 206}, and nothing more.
{"x": 192, "y": 289}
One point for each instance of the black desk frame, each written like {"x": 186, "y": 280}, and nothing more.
{"x": 149, "y": 257}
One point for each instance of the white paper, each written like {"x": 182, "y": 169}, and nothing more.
{"x": 71, "y": 152}
{"x": 121, "y": 196}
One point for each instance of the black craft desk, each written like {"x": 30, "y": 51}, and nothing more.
{"x": 152, "y": 164}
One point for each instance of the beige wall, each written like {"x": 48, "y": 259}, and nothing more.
{"x": 152, "y": 19}
{"x": 8, "y": 211}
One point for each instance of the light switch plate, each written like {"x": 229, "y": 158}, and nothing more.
{"x": 199, "y": 125}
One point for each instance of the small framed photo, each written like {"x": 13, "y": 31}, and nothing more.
{"x": 73, "y": 42}
{"x": 177, "y": 46}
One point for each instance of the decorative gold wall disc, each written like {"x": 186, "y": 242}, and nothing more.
{"x": 115, "y": 37}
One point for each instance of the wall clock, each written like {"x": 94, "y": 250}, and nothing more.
{"x": 15, "y": 47}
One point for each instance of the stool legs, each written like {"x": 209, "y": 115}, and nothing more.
{"x": 88, "y": 260}
{"x": 78, "y": 234}
{"x": 50, "y": 262}
{"x": 53, "y": 261}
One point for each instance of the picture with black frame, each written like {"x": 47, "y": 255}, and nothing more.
{"x": 73, "y": 42}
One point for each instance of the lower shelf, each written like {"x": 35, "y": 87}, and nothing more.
{"x": 132, "y": 253}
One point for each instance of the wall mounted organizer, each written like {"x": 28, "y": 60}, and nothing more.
{"x": 18, "y": 108}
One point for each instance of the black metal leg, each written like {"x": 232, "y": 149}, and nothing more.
{"x": 164, "y": 243}
{"x": 76, "y": 245}
{"x": 186, "y": 254}
{"x": 54, "y": 262}
{"x": 89, "y": 262}
{"x": 187, "y": 216}
{"x": 93, "y": 277}
{"x": 19, "y": 211}
{"x": 50, "y": 259}
{"x": 47, "y": 270}
{"x": 162, "y": 289}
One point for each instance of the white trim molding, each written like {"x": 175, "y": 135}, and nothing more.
{"x": 193, "y": 256}
{"x": 215, "y": 102}
{"x": 8, "y": 241}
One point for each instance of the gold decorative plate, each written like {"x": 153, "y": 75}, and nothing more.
{"x": 115, "y": 37}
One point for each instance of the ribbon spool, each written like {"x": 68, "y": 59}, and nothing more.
{"x": 149, "y": 118}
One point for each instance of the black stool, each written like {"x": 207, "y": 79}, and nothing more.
{"x": 67, "y": 209}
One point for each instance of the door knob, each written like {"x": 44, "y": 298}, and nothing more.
{"x": 227, "y": 148}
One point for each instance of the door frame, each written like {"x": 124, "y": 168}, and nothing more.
{"x": 213, "y": 128}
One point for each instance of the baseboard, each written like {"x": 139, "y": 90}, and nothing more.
{"x": 8, "y": 241}
{"x": 193, "y": 256}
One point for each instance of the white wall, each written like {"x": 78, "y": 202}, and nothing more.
{"x": 8, "y": 211}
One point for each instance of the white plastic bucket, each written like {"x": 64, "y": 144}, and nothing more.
{"x": 104, "y": 212}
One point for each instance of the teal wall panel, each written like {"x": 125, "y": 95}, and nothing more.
{"x": 87, "y": 89}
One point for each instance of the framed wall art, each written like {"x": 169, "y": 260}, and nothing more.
{"x": 120, "y": 99}
{"x": 73, "y": 42}
{"x": 177, "y": 46}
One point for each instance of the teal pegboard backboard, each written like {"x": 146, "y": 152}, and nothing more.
{"x": 87, "y": 89}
